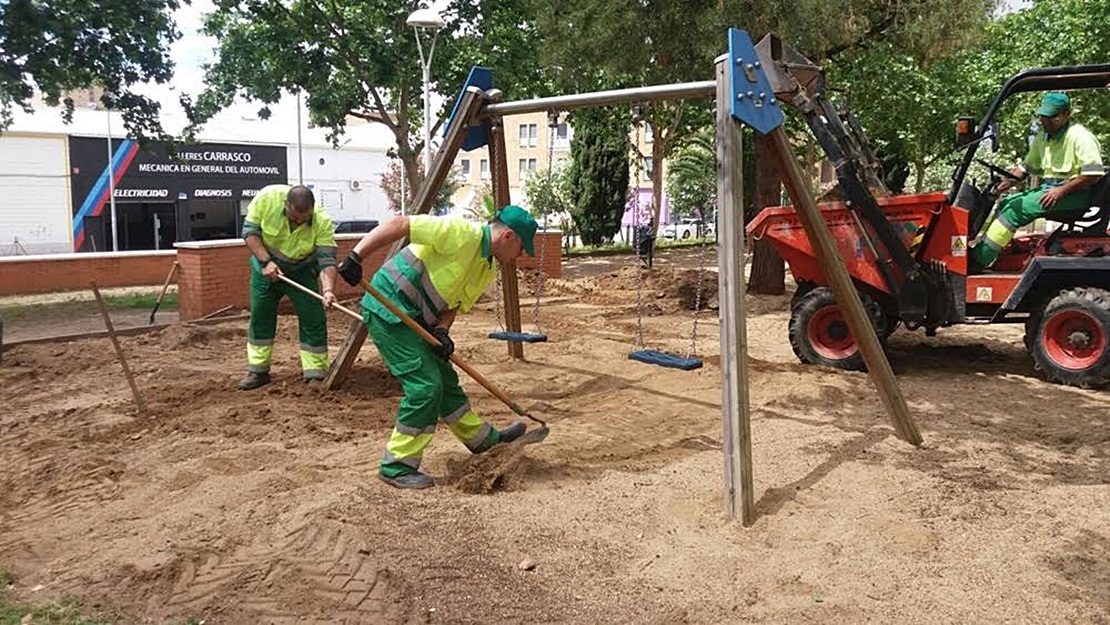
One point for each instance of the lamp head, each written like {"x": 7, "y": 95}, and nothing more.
{"x": 425, "y": 19}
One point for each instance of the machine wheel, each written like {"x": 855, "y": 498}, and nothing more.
{"x": 1070, "y": 341}
{"x": 819, "y": 333}
{"x": 804, "y": 287}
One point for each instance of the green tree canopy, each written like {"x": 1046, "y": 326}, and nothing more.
{"x": 692, "y": 177}
{"x": 627, "y": 43}
{"x": 909, "y": 101}
{"x": 55, "y": 46}
{"x": 599, "y": 169}
{"x": 359, "y": 59}
{"x": 548, "y": 191}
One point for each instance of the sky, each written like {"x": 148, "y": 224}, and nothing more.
{"x": 194, "y": 49}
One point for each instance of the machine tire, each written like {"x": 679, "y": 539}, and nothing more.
{"x": 804, "y": 287}
{"x": 819, "y": 335}
{"x": 1070, "y": 339}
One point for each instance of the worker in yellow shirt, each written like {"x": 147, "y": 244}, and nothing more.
{"x": 1067, "y": 158}
{"x": 288, "y": 235}
{"x": 441, "y": 273}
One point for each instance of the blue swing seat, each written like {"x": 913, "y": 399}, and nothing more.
{"x": 519, "y": 337}
{"x": 663, "y": 359}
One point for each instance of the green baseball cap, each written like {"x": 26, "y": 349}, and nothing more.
{"x": 1053, "y": 103}
{"x": 522, "y": 223}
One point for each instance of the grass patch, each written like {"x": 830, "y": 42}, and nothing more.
{"x": 143, "y": 301}
{"x": 130, "y": 301}
{"x": 612, "y": 249}
{"x": 65, "y": 612}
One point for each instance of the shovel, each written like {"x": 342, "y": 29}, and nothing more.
{"x": 534, "y": 436}
{"x": 165, "y": 287}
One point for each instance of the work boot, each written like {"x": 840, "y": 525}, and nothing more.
{"x": 409, "y": 480}
{"x": 254, "y": 380}
{"x": 312, "y": 379}
{"x": 512, "y": 432}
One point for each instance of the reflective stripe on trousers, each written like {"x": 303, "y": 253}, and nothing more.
{"x": 259, "y": 352}
{"x": 311, "y": 321}
{"x": 1017, "y": 210}
{"x": 431, "y": 393}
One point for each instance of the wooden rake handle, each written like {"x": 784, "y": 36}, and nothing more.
{"x": 341, "y": 308}
{"x": 427, "y": 336}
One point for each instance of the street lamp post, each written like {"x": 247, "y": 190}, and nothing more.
{"x": 300, "y": 148}
{"x": 426, "y": 20}
{"x": 111, "y": 177}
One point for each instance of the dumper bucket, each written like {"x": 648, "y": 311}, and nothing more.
{"x": 908, "y": 214}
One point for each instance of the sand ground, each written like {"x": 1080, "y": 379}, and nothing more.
{"x": 263, "y": 507}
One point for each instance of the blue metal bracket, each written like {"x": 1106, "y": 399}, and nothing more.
{"x": 753, "y": 100}
{"x": 477, "y": 136}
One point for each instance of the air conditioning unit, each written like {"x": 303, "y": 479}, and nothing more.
{"x": 356, "y": 185}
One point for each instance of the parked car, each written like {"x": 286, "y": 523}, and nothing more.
{"x": 348, "y": 227}
{"x": 688, "y": 228}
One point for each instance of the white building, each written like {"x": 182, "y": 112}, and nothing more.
{"x": 56, "y": 180}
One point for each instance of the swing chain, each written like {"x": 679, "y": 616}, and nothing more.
{"x": 640, "y": 265}
{"x": 497, "y": 301}
{"x": 552, "y": 124}
{"x": 698, "y": 290}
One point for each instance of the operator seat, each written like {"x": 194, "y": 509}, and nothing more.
{"x": 1088, "y": 222}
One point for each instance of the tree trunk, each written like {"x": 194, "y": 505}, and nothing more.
{"x": 656, "y": 179}
{"x": 411, "y": 165}
{"x": 919, "y": 169}
{"x": 768, "y": 276}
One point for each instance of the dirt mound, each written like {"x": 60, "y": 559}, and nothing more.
{"x": 180, "y": 335}
{"x": 499, "y": 469}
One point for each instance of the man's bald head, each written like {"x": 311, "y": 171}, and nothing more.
{"x": 300, "y": 199}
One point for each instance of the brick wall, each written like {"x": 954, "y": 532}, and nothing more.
{"x": 549, "y": 253}
{"x": 212, "y": 274}
{"x": 49, "y": 273}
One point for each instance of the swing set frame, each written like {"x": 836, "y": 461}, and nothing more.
{"x": 744, "y": 94}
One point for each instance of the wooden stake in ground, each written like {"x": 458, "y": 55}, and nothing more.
{"x": 139, "y": 406}
{"x": 847, "y": 298}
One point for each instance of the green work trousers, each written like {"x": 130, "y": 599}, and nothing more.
{"x": 1017, "y": 210}
{"x": 312, "y": 320}
{"x": 431, "y": 394}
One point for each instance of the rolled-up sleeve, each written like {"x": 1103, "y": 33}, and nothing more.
{"x": 1088, "y": 155}
{"x": 326, "y": 248}
{"x": 252, "y": 223}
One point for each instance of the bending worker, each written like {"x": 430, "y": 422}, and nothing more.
{"x": 288, "y": 236}
{"x": 447, "y": 265}
{"x": 1068, "y": 159}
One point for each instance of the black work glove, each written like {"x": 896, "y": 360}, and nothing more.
{"x": 351, "y": 268}
{"x": 446, "y": 346}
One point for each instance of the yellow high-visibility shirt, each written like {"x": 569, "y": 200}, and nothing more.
{"x": 1074, "y": 151}
{"x": 447, "y": 265}
{"x": 312, "y": 240}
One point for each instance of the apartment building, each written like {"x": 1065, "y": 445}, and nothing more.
{"x": 530, "y": 142}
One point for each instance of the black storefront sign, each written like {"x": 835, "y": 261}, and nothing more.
{"x": 195, "y": 194}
